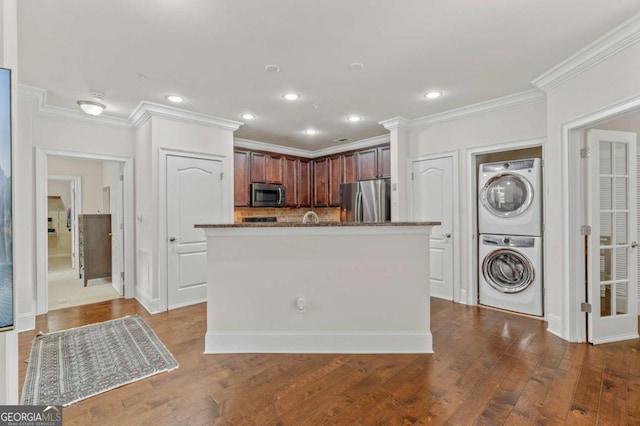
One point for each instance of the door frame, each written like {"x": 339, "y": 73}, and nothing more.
{"x": 459, "y": 294}
{"x": 163, "y": 237}
{"x": 574, "y": 322}
{"x": 77, "y": 204}
{"x": 42, "y": 249}
{"x": 472, "y": 205}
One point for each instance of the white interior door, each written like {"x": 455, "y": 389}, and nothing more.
{"x": 612, "y": 253}
{"x": 116, "y": 206}
{"x": 433, "y": 201}
{"x": 194, "y": 195}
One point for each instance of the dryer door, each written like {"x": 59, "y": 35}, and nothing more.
{"x": 507, "y": 195}
{"x": 508, "y": 271}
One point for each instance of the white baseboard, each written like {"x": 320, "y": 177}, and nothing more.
{"x": 554, "y": 325}
{"x": 318, "y": 342}
{"x": 150, "y": 304}
{"x": 25, "y": 322}
{"x": 617, "y": 338}
{"x": 182, "y": 305}
{"x": 9, "y": 395}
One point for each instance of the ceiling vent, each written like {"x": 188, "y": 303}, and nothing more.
{"x": 341, "y": 140}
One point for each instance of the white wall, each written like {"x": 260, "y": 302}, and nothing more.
{"x": 92, "y": 181}
{"x": 522, "y": 122}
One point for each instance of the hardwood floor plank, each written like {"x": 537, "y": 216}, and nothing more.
{"x": 489, "y": 367}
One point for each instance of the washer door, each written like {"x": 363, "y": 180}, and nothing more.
{"x": 508, "y": 271}
{"x": 507, "y": 195}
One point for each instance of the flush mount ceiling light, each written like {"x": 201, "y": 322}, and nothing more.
{"x": 91, "y": 107}
{"x": 291, "y": 96}
{"x": 354, "y": 118}
{"x": 174, "y": 98}
{"x": 248, "y": 116}
{"x": 310, "y": 131}
{"x": 356, "y": 66}
{"x": 271, "y": 68}
{"x": 433, "y": 95}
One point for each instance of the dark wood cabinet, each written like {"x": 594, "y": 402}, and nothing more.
{"x": 349, "y": 168}
{"x": 258, "y": 167}
{"x": 384, "y": 162}
{"x": 241, "y": 179}
{"x": 304, "y": 182}
{"x": 94, "y": 234}
{"x": 321, "y": 183}
{"x": 291, "y": 181}
{"x": 367, "y": 164}
{"x": 275, "y": 169}
{"x": 335, "y": 179}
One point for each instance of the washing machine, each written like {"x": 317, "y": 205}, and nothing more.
{"x": 511, "y": 273}
{"x": 510, "y": 198}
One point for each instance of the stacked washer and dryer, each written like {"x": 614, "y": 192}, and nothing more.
{"x": 510, "y": 241}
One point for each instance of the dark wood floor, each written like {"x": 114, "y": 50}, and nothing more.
{"x": 488, "y": 368}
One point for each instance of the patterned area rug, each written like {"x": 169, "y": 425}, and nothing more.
{"x": 71, "y": 365}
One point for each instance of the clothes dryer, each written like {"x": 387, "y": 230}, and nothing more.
{"x": 510, "y": 198}
{"x": 511, "y": 273}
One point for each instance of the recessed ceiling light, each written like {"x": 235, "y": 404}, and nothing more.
{"x": 291, "y": 96}
{"x": 271, "y": 68}
{"x": 175, "y": 98}
{"x": 248, "y": 116}
{"x": 354, "y": 118}
{"x": 311, "y": 131}
{"x": 433, "y": 95}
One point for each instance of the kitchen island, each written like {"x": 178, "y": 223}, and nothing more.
{"x": 328, "y": 287}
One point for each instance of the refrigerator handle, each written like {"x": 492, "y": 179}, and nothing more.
{"x": 358, "y": 207}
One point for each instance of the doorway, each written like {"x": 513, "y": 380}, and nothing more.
{"x": 68, "y": 281}
{"x": 603, "y": 226}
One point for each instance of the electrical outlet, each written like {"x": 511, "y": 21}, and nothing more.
{"x": 301, "y": 305}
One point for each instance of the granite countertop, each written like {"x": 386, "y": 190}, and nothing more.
{"x": 309, "y": 225}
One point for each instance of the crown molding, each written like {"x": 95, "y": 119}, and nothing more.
{"x": 264, "y": 146}
{"x": 619, "y": 38}
{"x": 352, "y": 146}
{"x": 146, "y": 109}
{"x": 505, "y": 102}
{"x": 139, "y": 116}
{"x": 392, "y": 123}
{"x": 38, "y": 97}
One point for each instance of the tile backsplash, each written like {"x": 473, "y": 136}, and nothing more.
{"x": 286, "y": 214}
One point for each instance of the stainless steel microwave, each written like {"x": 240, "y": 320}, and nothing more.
{"x": 265, "y": 195}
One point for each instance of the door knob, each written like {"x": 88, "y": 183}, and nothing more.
{"x": 172, "y": 239}
{"x": 447, "y": 235}
{"x": 634, "y": 244}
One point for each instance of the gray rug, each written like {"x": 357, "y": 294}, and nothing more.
{"x": 71, "y": 365}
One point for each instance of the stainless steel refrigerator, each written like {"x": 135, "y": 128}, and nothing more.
{"x": 365, "y": 201}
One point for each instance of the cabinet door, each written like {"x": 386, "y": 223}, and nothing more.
{"x": 349, "y": 168}
{"x": 304, "y": 183}
{"x": 367, "y": 164}
{"x": 321, "y": 183}
{"x": 258, "y": 168}
{"x": 291, "y": 182}
{"x": 384, "y": 162}
{"x": 275, "y": 169}
{"x": 335, "y": 179}
{"x": 241, "y": 179}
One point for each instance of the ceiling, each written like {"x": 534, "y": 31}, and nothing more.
{"x": 214, "y": 53}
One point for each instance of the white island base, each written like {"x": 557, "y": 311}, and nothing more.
{"x": 318, "y": 289}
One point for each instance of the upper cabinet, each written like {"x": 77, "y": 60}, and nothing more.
{"x": 335, "y": 179}
{"x": 384, "y": 162}
{"x": 275, "y": 169}
{"x": 349, "y": 168}
{"x": 258, "y": 167}
{"x": 291, "y": 182}
{"x": 304, "y": 182}
{"x": 321, "y": 182}
{"x": 241, "y": 178}
{"x": 374, "y": 163}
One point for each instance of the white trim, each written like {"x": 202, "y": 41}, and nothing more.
{"x": 352, "y": 146}
{"x": 25, "y": 321}
{"x": 149, "y": 303}
{"x": 392, "y": 123}
{"x": 616, "y": 338}
{"x": 41, "y": 217}
{"x": 455, "y": 225}
{"x": 303, "y": 231}
{"x": 554, "y": 325}
{"x": 162, "y": 242}
{"x": 472, "y": 205}
{"x": 318, "y": 342}
{"x": 190, "y": 303}
{"x": 146, "y": 108}
{"x": 492, "y": 105}
{"x": 575, "y": 322}
{"x": 11, "y": 367}
{"x": 612, "y": 42}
